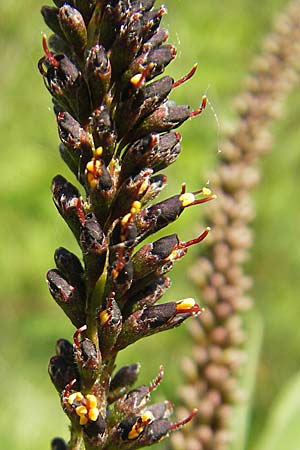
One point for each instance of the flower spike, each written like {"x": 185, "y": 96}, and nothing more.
{"x": 117, "y": 125}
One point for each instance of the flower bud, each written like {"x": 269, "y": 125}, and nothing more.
{"x": 164, "y": 118}
{"x": 141, "y": 104}
{"x": 103, "y": 133}
{"x": 154, "y": 150}
{"x": 159, "y": 215}
{"x": 152, "y": 257}
{"x": 120, "y": 275}
{"x": 155, "y": 432}
{"x": 58, "y": 444}
{"x": 93, "y": 244}
{"x": 147, "y": 296}
{"x": 94, "y": 430}
{"x": 161, "y": 410}
{"x": 155, "y": 318}
{"x": 50, "y": 16}
{"x": 67, "y": 297}
{"x": 65, "y": 349}
{"x": 66, "y": 84}
{"x": 156, "y": 40}
{"x": 67, "y": 200}
{"x": 109, "y": 325}
{"x": 131, "y": 193}
{"x": 98, "y": 72}
{"x": 152, "y": 21}
{"x": 76, "y": 139}
{"x": 122, "y": 380}
{"x": 86, "y": 7}
{"x": 61, "y": 372}
{"x": 70, "y": 266}
{"x": 88, "y": 360}
{"x": 100, "y": 185}
{"x": 73, "y": 27}
{"x": 126, "y": 45}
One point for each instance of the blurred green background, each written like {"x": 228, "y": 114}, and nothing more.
{"x": 222, "y": 36}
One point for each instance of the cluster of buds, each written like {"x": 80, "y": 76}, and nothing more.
{"x": 116, "y": 127}
{"x": 218, "y": 355}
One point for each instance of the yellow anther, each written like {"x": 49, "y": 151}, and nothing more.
{"x": 133, "y": 433}
{"x": 126, "y": 219}
{"x": 214, "y": 196}
{"x": 93, "y": 414}
{"x": 143, "y": 187}
{"x": 104, "y": 316}
{"x": 81, "y": 410}
{"x": 99, "y": 151}
{"x": 206, "y": 191}
{"x": 140, "y": 425}
{"x": 76, "y": 396}
{"x": 147, "y": 417}
{"x": 90, "y": 166}
{"x": 93, "y": 182}
{"x": 186, "y": 199}
{"x": 136, "y": 79}
{"x": 83, "y": 420}
{"x": 186, "y": 303}
{"x": 135, "y": 207}
{"x": 91, "y": 401}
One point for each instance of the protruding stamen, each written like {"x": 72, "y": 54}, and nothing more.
{"x": 175, "y": 426}
{"x": 189, "y": 306}
{"x": 157, "y": 380}
{"x": 119, "y": 263}
{"x": 77, "y": 333}
{"x": 138, "y": 427}
{"x": 139, "y": 79}
{"x": 66, "y": 391}
{"x": 201, "y": 108}
{"x": 200, "y": 238}
{"x": 186, "y": 77}
{"x": 183, "y": 188}
{"x": 105, "y": 315}
{"x": 80, "y": 210}
{"x": 48, "y": 54}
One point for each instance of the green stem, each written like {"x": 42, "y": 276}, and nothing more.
{"x": 93, "y": 304}
{"x": 75, "y": 442}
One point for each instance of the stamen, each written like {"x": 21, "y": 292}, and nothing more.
{"x": 186, "y": 77}
{"x": 48, "y": 54}
{"x": 119, "y": 263}
{"x": 138, "y": 79}
{"x": 80, "y": 210}
{"x": 189, "y": 306}
{"x": 175, "y": 426}
{"x": 77, "y": 333}
{"x": 66, "y": 391}
{"x": 201, "y": 108}
{"x": 157, "y": 380}
{"x": 200, "y": 238}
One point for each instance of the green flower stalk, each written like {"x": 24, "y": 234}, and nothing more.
{"x": 218, "y": 355}
{"x": 116, "y": 130}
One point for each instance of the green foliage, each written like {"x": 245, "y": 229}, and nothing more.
{"x": 222, "y": 36}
